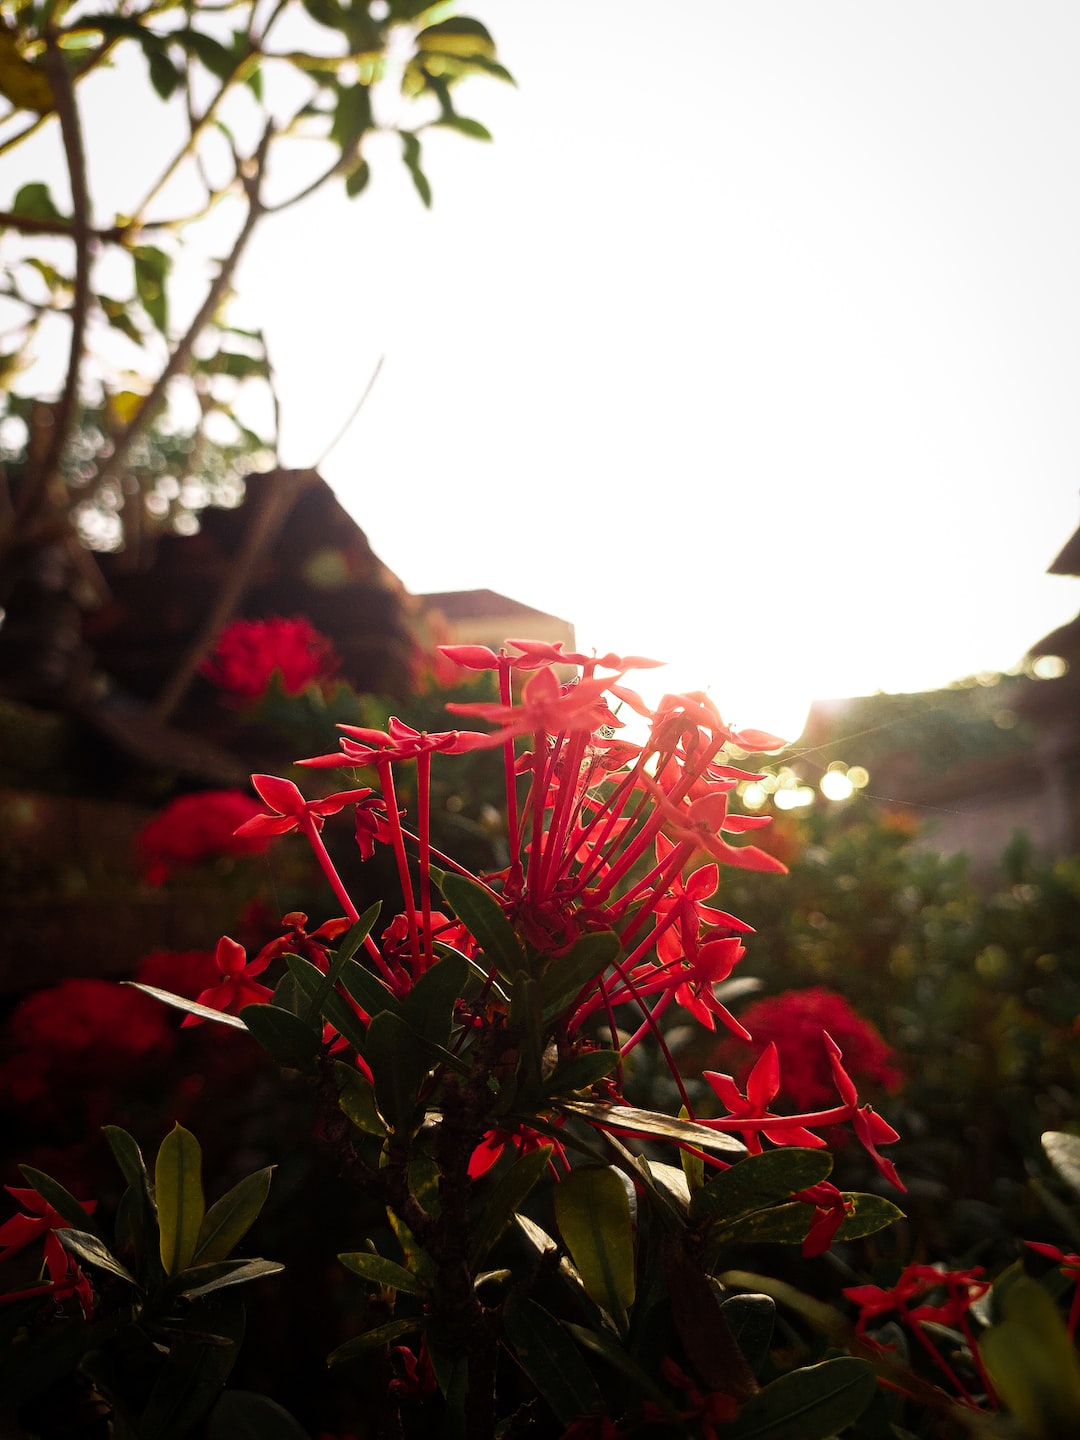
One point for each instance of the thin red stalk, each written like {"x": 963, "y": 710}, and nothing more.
{"x": 423, "y": 801}
{"x": 510, "y": 775}
{"x": 311, "y": 830}
{"x": 566, "y": 803}
{"x": 386, "y": 777}
{"x": 537, "y": 796}
{"x": 658, "y": 1035}
{"x": 938, "y": 1359}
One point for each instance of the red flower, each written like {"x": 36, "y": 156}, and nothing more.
{"x": 196, "y": 827}
{"x": 237, "y": 988}
{"x": 762, "y": 1088}
{"x": 40, "y": 1220}
{"x": 250, "y": 652}
{"x": 86, "y": 1031}
{"x": 545, "y": 706}
{"x": 289, "y": 808}
{"x": 399, "y": 742}
{"x": 793, "y": 1022}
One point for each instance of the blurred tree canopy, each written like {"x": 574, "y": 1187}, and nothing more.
{"x": 148, "y": 417}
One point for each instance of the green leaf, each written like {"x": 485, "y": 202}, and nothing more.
{"x": 567, "y": 975}
{"x": 356, "y": 181}
{"x": 592, "y": 1210}
{"x": 465, "y": 126}
{"x": 202, "y": 1350}
{"x": 606, "y": 1346}
{"x": 507, "y": 1198}
{"x": 323, "y": 1002}
{"x": 151, "y": 271}
{"x": 374, "y": 1339}
{"x": 815, "y": 1403}
{"x": 1063, "y": 1152}
{"x": 1033, "y": 1363}
{"x": 35, "y": 202}
{"x": 581, "y": 1072}
{"x": 180, "y": 1203}
{"x": 116, "y": 313}
{"x": 429, "y": 1006}
{"x": 751, "y": 1319}
{"x": 629, "y": 1119}
{"x": 190, "y": 1007}
{"x": 283, "y": 1035}
{"x": 217, "y": 58}
{"x": 551, "y": 1360}
{"x": 244, "y": 1415}
{"x": 354, "y": 938}
{"x": 229, "y": 1219}
{"x": 871, "y": 1214}
{"x": 459, "y": 36}
{"x": 199, "y": 1280}
{"x": 357, "y": 1099}
{"x": 757, "y": 1182}
{"x": 368, "y": 990}
{"x": 61, "y": 1200}
{"x": 399, "y": 1068}
{"x": 94, "y": 1252}
{"x": 165, "y": 74}
{"x": 481, "y": 913}
{"x": 381, "y": 1271}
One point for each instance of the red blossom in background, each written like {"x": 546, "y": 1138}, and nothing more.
{"x": 793, "y": 1022}
{"x": 196, "y": 827}
{"x": 250, "y": 652}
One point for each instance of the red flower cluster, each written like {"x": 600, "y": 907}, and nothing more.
{"x": 196, "y": 827}
{"x": 610, "y": 836}
{"x": 249, "y": 653}
{"x": 79, "y": 1036}
{"x": 793, "y": 1022}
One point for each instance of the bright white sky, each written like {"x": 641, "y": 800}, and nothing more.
{"x": 753, "y": 341}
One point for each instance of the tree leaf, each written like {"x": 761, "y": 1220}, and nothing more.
{"x": 61, "y": 1200}
{"x": 151, "y": 272}
{"x": 229, "y": 1219}
{"x": 369, "y": 992}
{"x": 199, "y": 1280}
{"x": 757, "y": 1182}
{"x": 190, "y": 1007}
{"x": 1033, "y": 1363}
{"x": 567, "y": 975}
{"x": 429, "y": 1006}
{"x": 357, "y": 1099}
{"x": 245, "y": 1415}
{"x": 482, "y": 916}
{"x": 511, "y": 1192}
{"x": 814, "y": 1403}
{"x": 751, "y": 1319}
{"x": 94, "y": 1252}
{"x": 871, "y": 1214}
{"x": 399, "y": 1068}
{"x": 1063, "y": 1152}
{"x": 35, "y": 202}
{"x": 375, "y": 1339}
{"x": 180, "y": 1203}
{"x": 628, "y": 1119}
{"x": 383, "y": 1272}
{"x": 283, "y": 1035}
{"x": 551, "y": 1360}
{"x": 592, "y": 1211}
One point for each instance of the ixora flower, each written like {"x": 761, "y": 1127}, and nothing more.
{"x": 793, "y": 1022}
{"x": 249, "y": 653}
{"x": 197, "y": 827}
